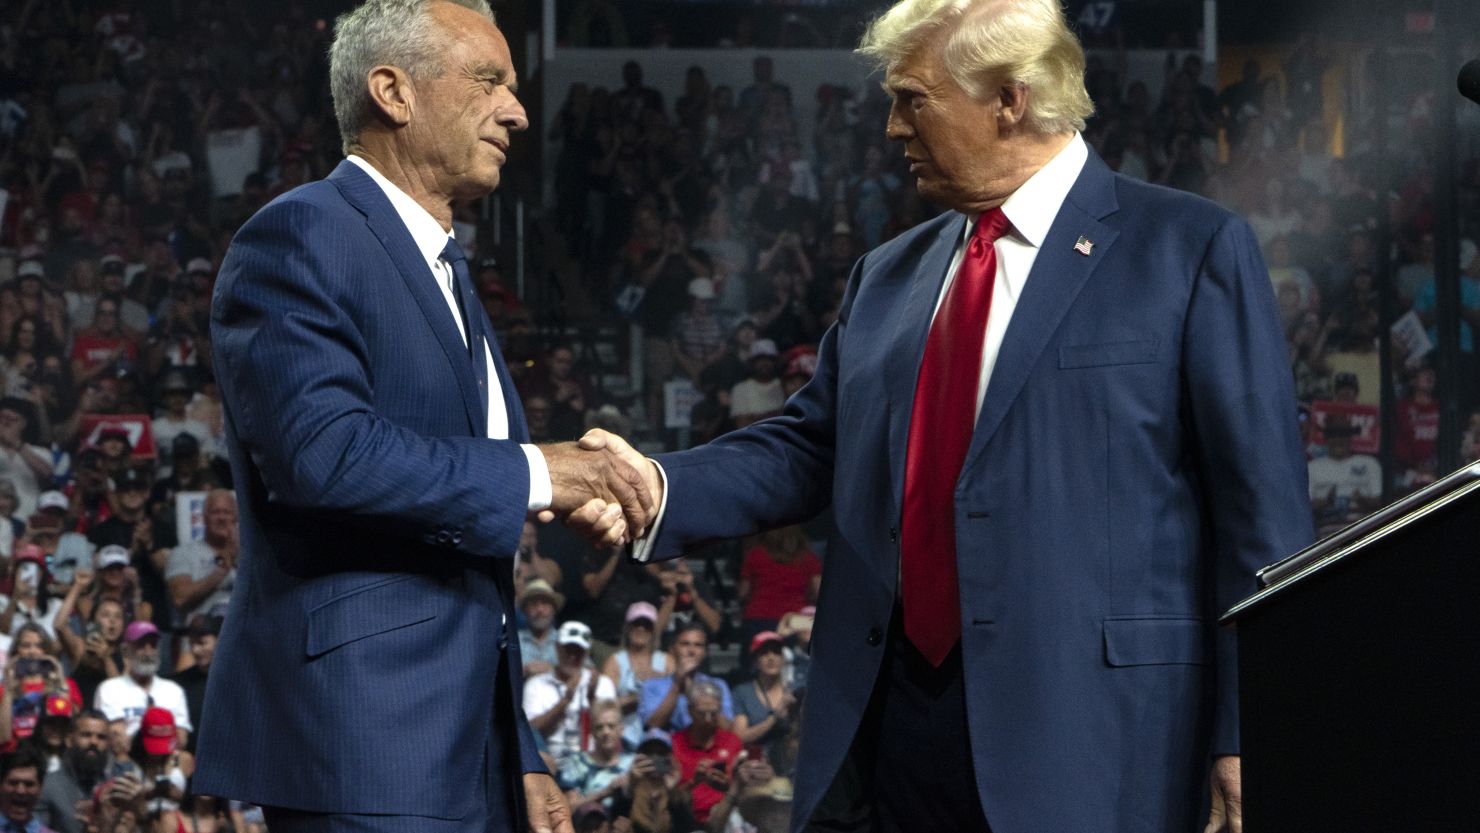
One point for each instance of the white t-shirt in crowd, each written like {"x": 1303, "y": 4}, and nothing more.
{"x": 543, "y": 691}
{"x": 1357, "y": 475}
{"x": 123, "y": 698}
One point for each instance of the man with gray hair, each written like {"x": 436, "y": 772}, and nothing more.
{"x": 706, "y": 751}
{"x": 367, "y": 674}
{"x": 1056, "y": 427}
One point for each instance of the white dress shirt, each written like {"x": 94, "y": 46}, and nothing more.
{"x": 1031, "y": 210}
{"x": 431, "y": 239}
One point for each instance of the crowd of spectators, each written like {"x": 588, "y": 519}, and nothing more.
{"x": 135, "y": 138}
{"x": 119, "y": 540}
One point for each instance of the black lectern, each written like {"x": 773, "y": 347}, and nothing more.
{"x": 1359, "y": 674}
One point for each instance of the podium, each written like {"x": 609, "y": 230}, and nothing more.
{"x": 1359, "y": 674}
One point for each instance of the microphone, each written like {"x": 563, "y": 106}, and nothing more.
{"x": 1469, "y": 81}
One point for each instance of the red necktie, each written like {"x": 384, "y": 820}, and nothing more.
{"x": 940, "y": 433}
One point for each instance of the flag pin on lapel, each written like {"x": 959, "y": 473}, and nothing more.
{"x": 1084, "y": 246}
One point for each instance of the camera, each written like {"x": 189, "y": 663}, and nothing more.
{"x": 161, "y": 787}
{"x": 662, "y": 765}
{"x": 32, "y": 667}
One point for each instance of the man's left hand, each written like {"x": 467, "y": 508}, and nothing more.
{"x": 548, "y": 810}
{"x": 1227, "y": 815}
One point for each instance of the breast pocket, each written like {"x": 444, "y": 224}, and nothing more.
{"x": 1108, "y": 354}
{"x": 365, "y": 611}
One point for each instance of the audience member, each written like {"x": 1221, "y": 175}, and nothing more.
{"x": 1416, "y": 444}
{"x": 97, "y": 653}
{"x": 22, "y": 774}
{"x": 175, "y": 393}
{"x": 654, "y": 802}
{"x": 537, "y": 640}
{"x": 601, "y": 773}
{"x": 25, "y": 464}
{"x": 558, "y": 383}
{"x": 758, "y": 395}
{"x": 201, "y": 574}
{"x": 637, "y": 661}
{"x": 30, "y": 599}
{"x": 764, "y": 801}
{"x": 765, "y": 704}
{"x": 686, "y": 599}
{"x": 201, "y": 636}
{"x": 779, "y": 574}
{"x": 613, "y": 583}
{"x": 664, "y": 703}
{"x": 558, "y": 702}
{"x": 163, "y": 767}
{"x": 128, "y": 696}
{"x": 1343, "y": 486}
{"x": 531, "y": 564}
{"x": 706, "y": 752}
{"x": 83, "y": 769}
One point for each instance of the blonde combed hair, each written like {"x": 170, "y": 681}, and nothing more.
{"x": 992, "y": 43}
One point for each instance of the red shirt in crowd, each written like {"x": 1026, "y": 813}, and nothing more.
{"x": 92, "y": 350}
{"x": 723, "y": 748}
{"x": 1417, "y": 437}
{"x": 777, "y": 589}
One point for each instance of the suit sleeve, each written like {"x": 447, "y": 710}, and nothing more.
{"x": 771, "y": 473}
{"x": 1246, "y": 440}
{"x": 297, "y": 386}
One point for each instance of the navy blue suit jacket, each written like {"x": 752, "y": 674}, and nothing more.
{"x": 364, "y": 666}
{"x": 1136, "y": 459}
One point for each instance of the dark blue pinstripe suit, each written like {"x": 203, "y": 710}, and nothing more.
{"x": 364, "y": 667}
{"x": 1136, "y": 459}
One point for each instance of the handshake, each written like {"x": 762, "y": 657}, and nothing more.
{"x": 603, "y": 488}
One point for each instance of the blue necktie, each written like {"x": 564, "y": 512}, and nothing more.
{"x": 462, "y": 291}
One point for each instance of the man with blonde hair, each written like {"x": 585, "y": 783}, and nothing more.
{"x": 1057, "y": 430}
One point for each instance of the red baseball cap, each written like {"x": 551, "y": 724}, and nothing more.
{"x": 763, "y": 637}
{"x": 158, "y": 730}
{"x": 30, "y": 552}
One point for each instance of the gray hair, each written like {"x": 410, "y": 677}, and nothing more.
{"x": 398, "y": 33}
{"x": 1025, "y": 42}
{"x": 705, "y": 688}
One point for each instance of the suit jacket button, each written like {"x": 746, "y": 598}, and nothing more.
{"x": 443, "y": 537}
{"x": 875, "y": 636}
{"x": 893, "y": 535}
{"x": 457, "y": 539}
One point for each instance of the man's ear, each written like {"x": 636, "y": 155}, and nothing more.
{"x": 1013, "y": 97}
{"x": 391, "y": 91}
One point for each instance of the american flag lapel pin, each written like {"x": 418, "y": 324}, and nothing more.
{"x": 1084, "y": 246}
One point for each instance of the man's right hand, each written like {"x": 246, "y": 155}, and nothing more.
{"x": 586, "y": 482}
{"x": 599, "y": 440}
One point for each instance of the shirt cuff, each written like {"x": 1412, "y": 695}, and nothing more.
{"x": 642, "y": 548}
{"x": 540, "y": 490}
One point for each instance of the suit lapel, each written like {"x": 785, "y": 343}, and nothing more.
{"x": 1059, "y": 273}
{"x": 908, "y": 344}
{"x": 362, "y": 192}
